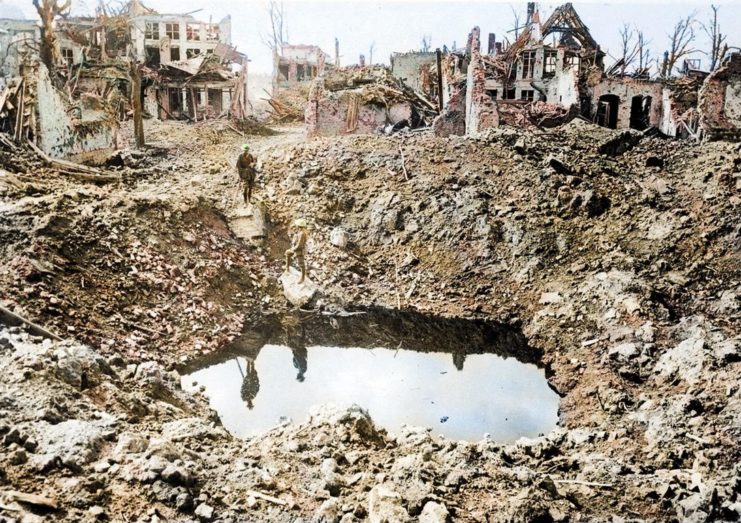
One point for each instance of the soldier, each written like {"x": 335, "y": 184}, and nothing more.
{"x": 246, "y": 169}
{"x": 298, "y": 248}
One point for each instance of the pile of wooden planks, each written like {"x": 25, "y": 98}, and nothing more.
{"x": 286, "y": 106}
{"x": 16, "y": 110}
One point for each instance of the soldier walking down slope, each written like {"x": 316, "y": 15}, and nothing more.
{"x": 298, "y": 248}
{"x": 246, "y": 167}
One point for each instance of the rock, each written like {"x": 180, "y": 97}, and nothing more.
{"x": 548, "y": 298}
{"x": 176, "y": 475}
{"x": 97, "y": 512}
{"x": 434, "y": 512}
{"x": 557, "y": 165}
{"x": 384, "y": 506}
{"x": 328, "y": 512}
{"x": 339, "y": 237}
{"x": 129, "y": 443}
{"x": 187, "y": 428}
{"x": 519, "y": 146}
{"x": 184, "y": 502}
{"x": 298, "y": 294}
{"x": 624, "y": 351}
{"x": 332, "y": 481}
{"x": 248, "y": 222}
{"x": 686, "y": 360}
{"x": 74, "y": 442}
{"x": 18, "y": 457}
{"x": 204, "y": 512}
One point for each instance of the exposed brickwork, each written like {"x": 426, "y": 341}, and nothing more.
{"x": 481, "y": 110}
{"x": 452, "y": 121}
{"x": 720, "y": 102}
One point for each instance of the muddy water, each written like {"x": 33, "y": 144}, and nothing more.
{"x": 456, "y": 377}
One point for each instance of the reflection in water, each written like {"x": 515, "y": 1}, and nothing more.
{"x": 250, "y": 382}
{"x": 491, "y": 394}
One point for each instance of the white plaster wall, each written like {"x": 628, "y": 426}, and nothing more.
{"x": 732, "y": 107}
{"x": 56, "y": 134}
{"x": 563, "y": 89}
{"x": 667, "y": 124}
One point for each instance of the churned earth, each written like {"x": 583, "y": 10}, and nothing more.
{"x": 615, "y": 253}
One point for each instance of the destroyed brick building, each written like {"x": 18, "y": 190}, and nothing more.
{"x": 535, "y": 83}
{"x": 554, "y": 71}
{"x": 174, "y": 65}
{"x": 297, "y": 64}
{"x": 361, "y": 100}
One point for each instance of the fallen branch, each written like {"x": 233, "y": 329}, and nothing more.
{"x": 403, "y": 163}
{"x": 33, "y": 327}
{"x": 585, "y": 483}
{"x": 105, "y": 178}
{"x": 271, "y": 499}
{"x": 75, "y": 169}
{"x": 31, "y": 499}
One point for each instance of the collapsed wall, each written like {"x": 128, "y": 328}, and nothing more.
{"x": 481, "y": 110}
{"x": 719, "y": 102}
{"x": 362, "y": 100}
{"x": 62, "y": 129}
{"x": 349, "y": 112}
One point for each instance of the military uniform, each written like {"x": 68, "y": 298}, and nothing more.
{"x": 298, "y": 251}
{"x": 246, "y": 169}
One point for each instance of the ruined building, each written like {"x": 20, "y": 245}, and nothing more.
{"x": 555, "y": 71}
{"x": 298, "y": 64}
{"x": 183, "y": 67}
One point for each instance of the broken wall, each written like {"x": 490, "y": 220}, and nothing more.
{"x": 626, "y": 89}
{"x": 720, "y": 102}
{"x": 481, "y": 109}
{"x": 563, "y": 89}
{"x": 333, "y": 114}
{"x": 452, "y": 121}
{"x": 408, "y": 67}
{"x": 63, "y": 131}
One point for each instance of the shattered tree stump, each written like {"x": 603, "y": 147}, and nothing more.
{"x": 298, "y": 294}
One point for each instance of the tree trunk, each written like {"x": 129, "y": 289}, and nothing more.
{"x": 136, "y": 103}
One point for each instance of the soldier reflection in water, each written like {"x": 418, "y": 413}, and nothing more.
{"x": 298, "y": 348}
{"x": 459, "y": 358}
{"x": 250, "y": 382}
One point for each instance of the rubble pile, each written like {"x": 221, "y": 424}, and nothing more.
{"x": 288, "y": 105}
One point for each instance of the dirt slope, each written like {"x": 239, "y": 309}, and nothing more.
{"x": 617, "y": 254}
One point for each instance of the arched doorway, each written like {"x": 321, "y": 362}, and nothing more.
{"x": 640, "y": 112}
{"x": 607, "y": 110}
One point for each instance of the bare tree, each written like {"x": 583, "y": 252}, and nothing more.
{"x": 628, "y": 48}
{"x": 426, "y": 43}
{"x": 278, "y": 34}
{"x": 718, "y": 45}
{"x": 370, "y": 52}
{"x": 48, "y": 11}
{"x": 680, "y": 41}
{"x": 644, "y": 53}
{"x": 517, "y": 16}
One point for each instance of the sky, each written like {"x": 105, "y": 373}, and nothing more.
{"x": 400, "y": 25}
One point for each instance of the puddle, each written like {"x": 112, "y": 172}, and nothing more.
{"x": 460, "y": 378}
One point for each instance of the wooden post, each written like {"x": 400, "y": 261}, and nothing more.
{"x": 136, "y": 103}
{"x": 439, "y": 79}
